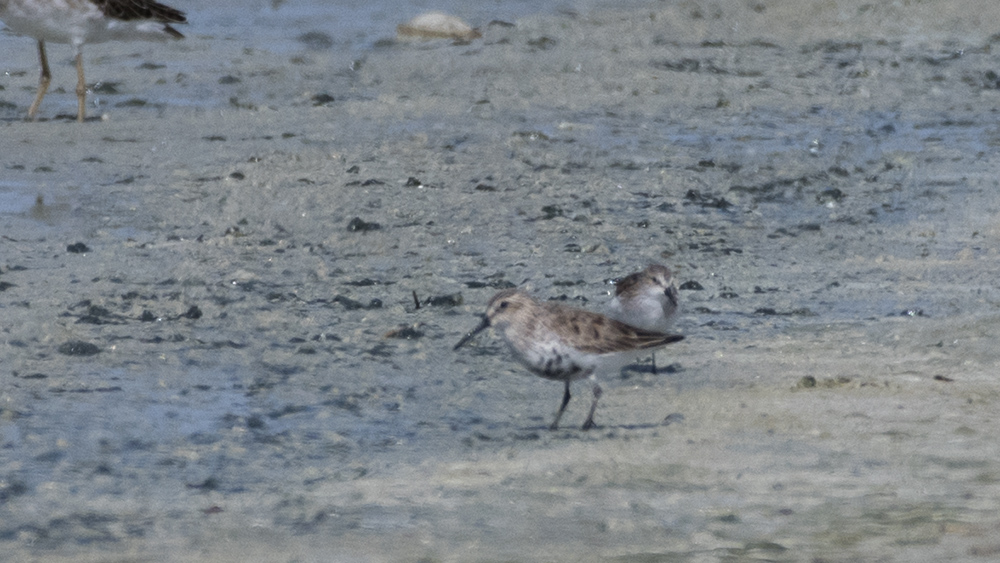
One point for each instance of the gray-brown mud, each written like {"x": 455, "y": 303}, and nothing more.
{"x": 232, "y": 368}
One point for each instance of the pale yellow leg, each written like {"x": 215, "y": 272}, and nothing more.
{"x": 81, "y": 87}
{"x": 43, "y": 81}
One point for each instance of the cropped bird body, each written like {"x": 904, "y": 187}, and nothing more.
{"x": 77, "y": 22}
{"x": 646, "y": 299}
{"x": 565, "y": 344}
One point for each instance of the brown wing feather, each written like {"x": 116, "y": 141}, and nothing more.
{"x": 140, "y": 10}
{"x": 597, "y": 334}
{"x": 627, "y": 282}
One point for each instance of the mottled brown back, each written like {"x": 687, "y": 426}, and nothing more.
{"x": 597, "y": 334}
{"x": 140, "y": 10}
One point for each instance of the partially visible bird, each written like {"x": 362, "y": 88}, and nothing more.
{"x": 86, "y": 21}
{"x": 647, "y": 299}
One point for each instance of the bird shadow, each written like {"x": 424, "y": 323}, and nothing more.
{"x": 532, "y": 433}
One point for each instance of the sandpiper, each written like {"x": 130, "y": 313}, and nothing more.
{"x": 646, "y": 299}
{"x": 565, "y": 344}
{"x": 86, "y": 21}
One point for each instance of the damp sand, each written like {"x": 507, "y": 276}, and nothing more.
{"x": 210, "y": 348}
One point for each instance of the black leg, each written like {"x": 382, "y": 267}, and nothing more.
{"x": 654, "y": 363}
{"x": 562, "y": 407}
{"x": 593, "y": 407}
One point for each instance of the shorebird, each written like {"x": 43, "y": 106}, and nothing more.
{"x": 86, "y": 21}
{"x": 647, "y": 299}
{"x": 565, "y": 344}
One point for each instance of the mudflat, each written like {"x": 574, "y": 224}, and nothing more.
{"x": 228, "y": 307}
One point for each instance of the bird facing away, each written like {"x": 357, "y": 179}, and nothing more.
{"x": 86, "y": 21}
{"x": 646, "y": 299}
{"x": 565, "y": 344}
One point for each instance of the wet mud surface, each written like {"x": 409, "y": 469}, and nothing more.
{"x": 228, "y": 310}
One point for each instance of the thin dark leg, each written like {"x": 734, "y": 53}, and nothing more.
{"x": 654, "y": 363}
{"x": 593, "y": 407}
{"x": 43, "y": 81}
{"x": 562, "y": 407}
{"x": 81, "y": 87}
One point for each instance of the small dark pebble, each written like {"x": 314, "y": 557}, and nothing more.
{"x": 237, "y": 175}
{"x": 452, "y": 300}
{"x": 807, "y": 381}
{"x": 107, "y": 88}
{"x": 33, "y": 376}
{"x": 354, "y": 169}
{"x": 78, "y": 248}
{"x": 551, "y": 212}
{"x": 322, "y": 99}
{"x": 92, "y": 320}
{"x": 357, "y": 224}
{"x": 691, "y": 285}
{"x": 672, "y": 418}
{"x": 682, "y": 65}
{"x": 412, "y": 182}
{"x": 315, "y": 40}
{"x": 352, "y": 305}
{"x": 944, "y": 378}
{"x": 485, "y": 188}
{"x": 78, "y": 348}
{"x": 801, "y": 312}
{"x": 209, "y": 484}
{"x": 913, "y": 313}
{"x": 406, "y": 332}
{"x": 495, "y": 284}
{"x": 192, "y": 313}
{"x": 707, "y": 201}
{"x": 565, "y": 297}
{"x": 131, "y": 103}
{"x": 4, "y": 286}
{"x": 542, "y": 43}
{"x": 229, "y": 79}
{"x": 381, "y": 350}
{"x": 365, "y": 282}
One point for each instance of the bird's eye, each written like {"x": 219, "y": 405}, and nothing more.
{"x": 503, "y": 305}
